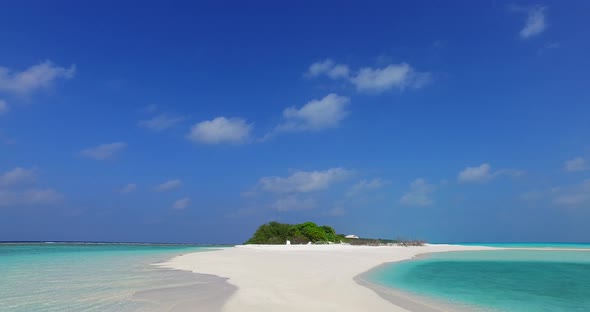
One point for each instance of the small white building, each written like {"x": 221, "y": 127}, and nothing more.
{"x": 351, "y": 236}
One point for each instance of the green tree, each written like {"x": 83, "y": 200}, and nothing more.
{"x": 302, "y": 233}
{"x": 270, "y": 233}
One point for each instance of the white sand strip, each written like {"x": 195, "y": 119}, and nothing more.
{"x": 302, "y": 277}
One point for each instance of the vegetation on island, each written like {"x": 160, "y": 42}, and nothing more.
{"x": 386, "y": 242}
{"x": 275, "y": 233}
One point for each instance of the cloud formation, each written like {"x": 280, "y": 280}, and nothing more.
{"x": 328, "y": 68}
{"x": 365, "y": 186}
{"x": 572, "y": 196}
{"x": 161, "y": 122}
{"x": 18, "y": 177}
{"x": 395, "y": 76}
{"x": 3, "y": 107}
{"x": 576, "y": 164}
{"x": 168, "y": 185}
{"x": 42, "y": 196}
{"x": 535, "y": 22}
{"x": 303, "y": 181}
{"x": 36, "y": 77}
{"x": 372, "y": 80}
{"x": 480, "y": 173}
{"x": 419, "y": 194}
{"x": 29, "y": 197}
{"x": 221, "y": 130}
{"x": 316, "y": 115}
{"x": 181, "y": 204}
{"x": 484, "y": 173}
{"x": 17, "y": 189}
{"x": 128, "y": 188}
{"x": 104, "y": 151}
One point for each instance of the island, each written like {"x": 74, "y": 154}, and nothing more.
{"x": 276, "y": 233}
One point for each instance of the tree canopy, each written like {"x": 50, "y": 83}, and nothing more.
{"x": 302, "y": 233}
{"x": 275, "y": 233}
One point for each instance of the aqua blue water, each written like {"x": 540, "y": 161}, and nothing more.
{"x": 503, "y": 280}
{"x": 81, "y": 277}
{"x": 533, "y": 245}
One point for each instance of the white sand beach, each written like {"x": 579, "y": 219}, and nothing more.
{"x": 304, "y": 277}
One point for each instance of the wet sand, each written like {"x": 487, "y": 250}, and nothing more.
{"x": 190, "y": 292}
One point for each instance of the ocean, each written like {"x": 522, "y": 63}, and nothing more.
{"x": 512, "y": 280}
{"x": 43, "y": 277}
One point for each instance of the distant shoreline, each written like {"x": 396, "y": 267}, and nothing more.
{"x": 111, "y": 243}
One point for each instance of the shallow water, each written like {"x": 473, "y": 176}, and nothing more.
{"x": 533, "y": 245}
{"x": 503, "y": 280}
{"x": 90, "y": 277}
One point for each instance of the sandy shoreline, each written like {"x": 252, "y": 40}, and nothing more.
{"x": 314, "y": 278}
{"x": 189, "y": 290}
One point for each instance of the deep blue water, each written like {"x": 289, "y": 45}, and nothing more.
{"x": 503, "y": 280}
{"x": 82, "y": 277}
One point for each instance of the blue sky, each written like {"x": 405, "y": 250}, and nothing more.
{"x": 185, "y": 122}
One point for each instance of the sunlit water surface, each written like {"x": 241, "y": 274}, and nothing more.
{"x": 85, "y": 277}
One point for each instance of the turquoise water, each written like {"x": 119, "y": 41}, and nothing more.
{"x": 502, "y": 280}
{"x": 533, "y": 245}
{"x": 82, "y": 277}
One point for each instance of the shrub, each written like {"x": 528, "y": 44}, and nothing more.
{"x": 279, "y": 233}
{"x": 276, "y": 233}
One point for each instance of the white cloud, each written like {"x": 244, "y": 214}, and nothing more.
{"x": 181, "y": 203}
{"x": 293, "y": 203}
{"x": 221, "y": 130}
{"x": 419, "y": 194}
{"x": 316, "y": 115}
{"x": 42, "y": 196}
{"x": 328, "y": 68}
{"x": 480, "y": 173}
{"x": 398, "y": 76}
{"x": 168, "y": 185}
{"x": 29, "y": 197}
{"x": 365, "y": 185}
{"x": 17, "y": 177}
{"x": 535, "y": 22}
{"x": 161, "y": 122}
{"x": 128, "y": 188}
{"x": 303, "y": 181}
{"x": 568, "y": 196}
{"x": 16, "y": 189}
{"x": 576, "y": 164}
{"x": 572, "y": 196}
{"x": 483, "y": 173}
{"x": 35, "y": 77}
{"x": 373, "y": 80}
{"x": 3, "y": 107}
{"x": 104, "y": 151}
